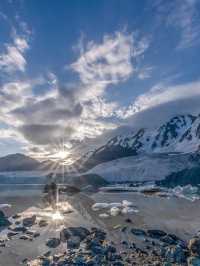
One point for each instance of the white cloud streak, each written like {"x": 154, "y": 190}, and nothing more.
{"x": 13, "y": 58}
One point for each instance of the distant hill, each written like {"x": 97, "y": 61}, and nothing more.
{"x": 18, "y": 162}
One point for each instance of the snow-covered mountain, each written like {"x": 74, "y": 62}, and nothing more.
{"x": 147, "y": 153}
{"x": 18, "y": 162}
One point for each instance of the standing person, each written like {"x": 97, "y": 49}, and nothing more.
{"x": 53, "y": 194}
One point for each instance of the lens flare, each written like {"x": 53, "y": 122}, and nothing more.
{"x": 57, "y": 216}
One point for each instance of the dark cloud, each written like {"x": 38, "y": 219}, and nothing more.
{"x": 48, "y": 110}
{"x": 40, "y": 134}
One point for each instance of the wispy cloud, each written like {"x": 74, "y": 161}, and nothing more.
{"x": 184, "y": 16}
{"x": 145, "y": 72}
{"x": 12, "y": 59}
{"x": 109, "y": 62}
{"x": 161, "y": 94}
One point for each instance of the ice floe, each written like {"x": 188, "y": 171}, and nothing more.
{"x": 5, "y": 205}
{"x": 114, "y": 208}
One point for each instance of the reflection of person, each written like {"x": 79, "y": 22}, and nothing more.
{"x": 52, "y": 194}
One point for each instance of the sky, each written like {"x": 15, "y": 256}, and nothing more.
{"x": 72, "y": 71}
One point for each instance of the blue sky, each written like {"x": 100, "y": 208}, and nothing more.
{"x": 70, "y": 71}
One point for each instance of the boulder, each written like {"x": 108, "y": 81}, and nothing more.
{"x": 138, "y": 232}
{"x": 80, "y": 232}
{"x": 29, "y": 221}
{"x": 194, "y": 246}
{"x": 22, "y": 229}
{"x": 168, "y": 240}
{"x": 26, "y": 237}
{"x": 53, "y": 242}
{"x": 73, "y": 242}
{"x": 154, "y": 233}
{"x": 42, "y": 223}
{"x": 175, "y": 254}
{"x": 3, "y": 219}
{"x": 193, "y": 261}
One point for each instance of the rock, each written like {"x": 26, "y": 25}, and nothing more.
{"x": 25, "y": 261}
{"x": 128, "y": 220}
{"x": 123, "y": 230}
{"x": 11, "y": 234}
{"x": 73, "y": 242}
{"x": 33, "y": 233}
{"x": 138, "y": 232}
{"x": 98, "y": 234}
{"x": 124, "y": 243}
{"x": 194, "y": 246}
{"x": 80, "y": 232}
{"x": 3, "y": 219}
{"x": 45, "y": 262}
{"x": 110, "y": 249}
{"x": 193, "y": 261}
{"x": 97, "y": 249}
{"x": 175, "y": 254}
{"x": 42, "y": 223}
{"x": 22, "y": 229}
{"x": 25, "y": 237}
{"x": 53, "y": 242}
{"x": 47, "y": 254}
{"x": 16, "y": 216}
{"x": 154, "y": 233}
{"x": 36, "y": 234}
{"x": 29, "y": 221}
{"x": 168, "y": 240}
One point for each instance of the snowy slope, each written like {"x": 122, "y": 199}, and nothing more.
{"x": 142, "y": 167}
{"x": 181, "y": 134}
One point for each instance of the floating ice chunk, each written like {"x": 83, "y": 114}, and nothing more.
{"x": 127, "y": 203}
{"x": 114, "y": 211}
{"x": 129, "y": 210}
{"x": 103, "y": 215}
{"x": 5, "y": 206}
{"x": 100, "y": 206}
{"x": 115, "y": 204}
{"x": 188, "y": 192}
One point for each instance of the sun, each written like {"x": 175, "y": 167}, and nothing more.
{"x": 61, "y": 155}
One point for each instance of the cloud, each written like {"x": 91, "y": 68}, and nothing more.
{"x": 101, "y": 65}
{"x": 13, "y": 58}
{"x": 44, "y": 111}
{"x": 145, "y": 72}
{"x": 182, "y": 15}
{"x": 40, "y": 134}
{"x": 179, "y": 98}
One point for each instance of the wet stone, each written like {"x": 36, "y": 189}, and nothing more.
{"x": 29, "y": 221}
{"x": 42, "y": 223}
{"x": 53, "y": 242}
{"x": 154, "y": 233}
{"x": 194, "y": 246}
{"x": 3, "y": 219}
{"x": 138, "y": 232}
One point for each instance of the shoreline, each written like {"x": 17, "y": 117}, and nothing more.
{"x": 175, "y": 216}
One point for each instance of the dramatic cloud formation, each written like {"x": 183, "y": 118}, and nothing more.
{"x": 70, "y": 113}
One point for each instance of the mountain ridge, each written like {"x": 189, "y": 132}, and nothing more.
{"x": 181, "y": 134}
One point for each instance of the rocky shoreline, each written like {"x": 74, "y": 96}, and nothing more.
{"x": 93, "y": 246}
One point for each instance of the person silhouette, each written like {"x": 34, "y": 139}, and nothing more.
{"x": 52, "y": 191}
